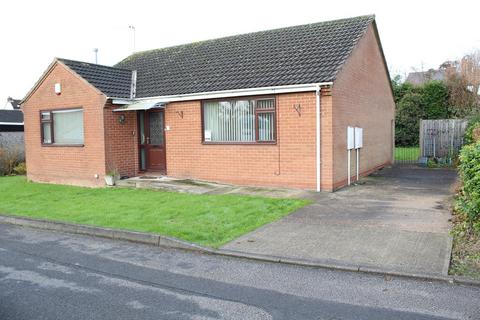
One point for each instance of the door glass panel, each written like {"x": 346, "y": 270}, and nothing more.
{"x": 143, "y": 160}
{"x": 141, "y": 124}
{"x": 156, "y": 128}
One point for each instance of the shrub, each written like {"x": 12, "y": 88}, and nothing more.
{"x": 9, "y": 158}
{"x": 407, "y": 119}
{"x": 469, "y": 198}
{"x": 20, "y": 169}
{"x": 473, "y": 123}
{"x": 435, "y": 100}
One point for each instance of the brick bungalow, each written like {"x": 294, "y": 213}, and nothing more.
{"x": 268, "y": 108}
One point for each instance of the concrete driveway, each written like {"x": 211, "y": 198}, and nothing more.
{"x": 396, "y": 220}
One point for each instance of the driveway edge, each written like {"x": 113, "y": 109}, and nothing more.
{"x": 170, "y": 242}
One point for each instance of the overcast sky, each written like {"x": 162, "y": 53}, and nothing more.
{"x": 415, "y": 34}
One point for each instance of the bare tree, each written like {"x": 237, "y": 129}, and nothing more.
{"x": 463, "y": 82}
{"x": 470, "y": 70}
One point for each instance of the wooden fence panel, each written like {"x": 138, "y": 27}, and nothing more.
{"x": 441, "y": 138}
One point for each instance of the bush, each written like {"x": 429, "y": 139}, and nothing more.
{"x": 407, "y": 119}
{"x": 473, "y": 124}
{"x": 435, "y": 100}
{"x": 20, "y": 169}
{"x": 9, "y": 159}
{"x": 469, "y": 197}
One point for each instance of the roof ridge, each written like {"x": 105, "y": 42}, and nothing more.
{"x": 370, "y": 17}
{"x": 92, "y": 64}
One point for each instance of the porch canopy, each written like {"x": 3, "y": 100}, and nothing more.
{"x": 142, "y": 105}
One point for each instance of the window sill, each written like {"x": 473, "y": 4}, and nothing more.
{"x": 267, "y": 143}
{"x": 62, "y": 145}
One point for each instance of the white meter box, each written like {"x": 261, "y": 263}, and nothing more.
{"x": 358, "y": 138}
{"x": 350, "y": 138}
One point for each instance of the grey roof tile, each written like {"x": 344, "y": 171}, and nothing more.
{"x": 11, "y": 116}
{"x": 303, "y": 54}
{"x": 113, "y": 82}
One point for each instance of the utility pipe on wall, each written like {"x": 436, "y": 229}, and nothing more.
{"x": 317, "y": 111}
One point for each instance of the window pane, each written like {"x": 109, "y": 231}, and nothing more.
{"x": 265, "y": 126}
{"x": 265, "y": 104}
{"x": 229, "y": 121}
{"x": 143, "y": 160}
{"x": 47, "y": 133}
{"x": 68, "y": 126}
{"x": 45, "y": 115}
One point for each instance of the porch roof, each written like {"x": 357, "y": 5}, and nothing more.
{"x": 142, "y": 105}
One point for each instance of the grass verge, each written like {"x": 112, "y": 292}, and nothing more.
{"x": 209, "y": 220}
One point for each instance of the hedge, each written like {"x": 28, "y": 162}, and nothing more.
{"x": 473, "y": 123}
{"x": 428, "y": 101}
{"x": 469, "y": 198}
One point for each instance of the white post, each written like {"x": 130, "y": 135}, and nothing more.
{"x": 348, "y": 164}
{"x": 358, "y": 158}
{"x": 317, "y": 138}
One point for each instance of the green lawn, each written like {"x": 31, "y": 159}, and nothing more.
{"x": 407, "y": 153}
{"x": 210, "y": 220}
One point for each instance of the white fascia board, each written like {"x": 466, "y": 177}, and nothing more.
{"x": 230, "y": 93}
{"x": 11, "y": 123}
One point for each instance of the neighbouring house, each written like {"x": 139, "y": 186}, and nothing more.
{"x": 269, "y": 108}
{"x": 445, "y": 70}
{"x": 11, "y": 126}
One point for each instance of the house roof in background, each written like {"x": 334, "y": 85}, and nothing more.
{"x": 11, "y": 116}
{"x": 304, "y": 54}
{"x": 113, "y": 82}
{"x": 419, "y": 78}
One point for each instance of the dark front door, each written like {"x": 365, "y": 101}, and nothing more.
{"x": 152, "y": 140}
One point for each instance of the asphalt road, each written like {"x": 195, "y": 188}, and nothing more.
{"x": 48, "y": 275}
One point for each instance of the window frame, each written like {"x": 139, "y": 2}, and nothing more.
{"x": 256, "y": 112}
{"x": 52, "y": 130}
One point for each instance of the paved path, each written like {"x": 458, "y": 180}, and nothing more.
{"x": 49, "y": 275}
{"x": 396, "y": 221}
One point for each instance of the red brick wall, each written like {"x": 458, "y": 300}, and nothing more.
{"x": 68, "y": 165}
{"x": 121, "y": 141}
{"x": 328, "y": 141}
{"x": 289, "y": 163}
{"x": 362, "y": 98}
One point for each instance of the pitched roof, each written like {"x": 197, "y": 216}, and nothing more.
{"x": 113, "y": 82}
{"x": 419, "y": 78}
{"x": 304, "y": 54}
{"x": 11, "y": 116}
